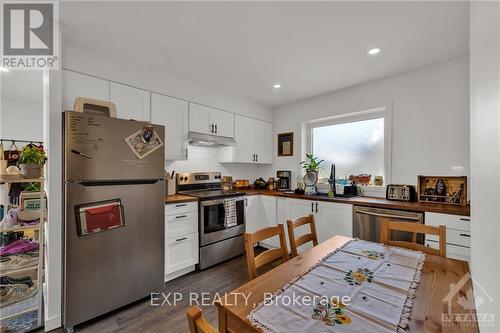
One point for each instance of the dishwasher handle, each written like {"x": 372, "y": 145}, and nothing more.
{"x": 395, "y": 216}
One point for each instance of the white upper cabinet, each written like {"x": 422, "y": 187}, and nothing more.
{"x": 263, "y": 142}
{"x": 223, "y": 123}
{"x": 79, "y": 85}
{"x": 254, "y": 142}
{"x": 131, "y": 103}
{"x": 173, "y": 114}
{"x": 207, "y": 120}
{"x": 199, "y": 119}
{"x": 244, "y": 135}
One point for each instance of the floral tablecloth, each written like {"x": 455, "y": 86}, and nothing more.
{"x": 360, "y": 287}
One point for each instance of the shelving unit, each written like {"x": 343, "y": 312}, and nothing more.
{"x": 34, "y": 303}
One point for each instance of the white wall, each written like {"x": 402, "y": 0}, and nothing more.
{"x": 430, "y": 125}
{"x": 485, "y": 154}
{"x": 21, "y": 107}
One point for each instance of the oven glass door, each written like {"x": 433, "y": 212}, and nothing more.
{"x": 214, "y": 215}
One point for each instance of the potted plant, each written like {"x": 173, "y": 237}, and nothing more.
{"x": 31, "y": 161}
{"x": 312, "y": 163}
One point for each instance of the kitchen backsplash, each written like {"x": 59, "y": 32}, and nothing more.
{"x": 202, "y": 159}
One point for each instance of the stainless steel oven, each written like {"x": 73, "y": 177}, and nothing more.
{"x": 213, "y": 225}
{"x": 219, "y": 239}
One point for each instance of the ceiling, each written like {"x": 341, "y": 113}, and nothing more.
{"x": 244, "y": 48}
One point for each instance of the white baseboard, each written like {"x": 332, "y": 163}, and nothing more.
{"x": 53, "y": 323}
{"x": 179, "y": 273}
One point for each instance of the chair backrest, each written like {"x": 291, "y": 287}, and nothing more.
{"x": 296, "y": 242}
{"x": 198, "y": 324}
{"x": 415, "y": 228}
{"x": 268, "y": 256}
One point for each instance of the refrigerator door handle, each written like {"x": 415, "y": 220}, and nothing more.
{"x": 118, "y": 182}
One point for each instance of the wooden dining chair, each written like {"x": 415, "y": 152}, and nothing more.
{"x": 268, "y": 256}
{"x": 197, "y": 323}
{"x": 296, "y": 242}
{"x": 416, "y": 228}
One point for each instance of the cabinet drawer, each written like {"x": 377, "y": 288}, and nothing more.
{"x": 181, "y": 208}
{"x": 181, "y": 224}
{"x": 453, "y": 236}
{"x": 181, "y": 252}
{"x": 450, "y": 221}
{"x": 452, "y": 251}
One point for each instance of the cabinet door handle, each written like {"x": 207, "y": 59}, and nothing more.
{"x": 181, "y": 239}
{"x": 316, "y": 207}
{"x": 181, "y": 205}
{"x": 465, "y": 220}
{"x": 465, "y": 235}
{"x": 212, "y": 128}
{"x": 246, "y": 202}
{"x": 180, "y": 216}
{"x": 256, "y": 157}
{"x": 215, "y": 128}
{"x": 312, "y": 207}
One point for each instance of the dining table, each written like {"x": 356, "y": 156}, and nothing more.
{"x": 442, "y": 282}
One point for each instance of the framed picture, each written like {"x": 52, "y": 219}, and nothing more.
{"x": 285, "y": 144}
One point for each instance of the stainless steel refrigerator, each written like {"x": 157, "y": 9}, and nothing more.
{"x": 113, "y": 216}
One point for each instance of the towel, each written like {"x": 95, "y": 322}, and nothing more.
{"x": 230, "y": 213}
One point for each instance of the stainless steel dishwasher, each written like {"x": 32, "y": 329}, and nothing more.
{"x": 366, "y": 223}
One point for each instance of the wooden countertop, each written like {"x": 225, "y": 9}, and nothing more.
{"x": 438, "y": 275}
{"x": 179, "y": 198}
{"x": 373, "y": 202}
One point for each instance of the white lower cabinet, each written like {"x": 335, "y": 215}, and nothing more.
{"x": 181, "y": 239}
{"x": 457, "y": 234}
{"x": 266, "y": 211}
{"x": 252, "y": 213}
{"x": 268, "y": 218}
{"x": 333, "y": 219}
{"x": 180, "y": 253}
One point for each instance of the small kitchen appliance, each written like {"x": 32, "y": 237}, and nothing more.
{"x": 221, "y": 216}
{"x": 401, "y": 193}
{"x": 284, "y": 178}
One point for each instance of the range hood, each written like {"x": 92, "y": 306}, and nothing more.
{"x": 206, "y": 140}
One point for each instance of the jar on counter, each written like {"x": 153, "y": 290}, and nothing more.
{"x": 271, "y": 184}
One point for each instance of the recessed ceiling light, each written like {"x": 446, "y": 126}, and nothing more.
{"x": 3, "y": 69}
{"x": 277, "y": 85}
{"x": 374, "y": 51}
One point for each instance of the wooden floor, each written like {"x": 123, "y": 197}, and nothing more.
{"x": 142, "y": 317}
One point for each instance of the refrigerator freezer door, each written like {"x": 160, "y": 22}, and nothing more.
{"x": 112, "y": 268}
{"x": 95, "y": 149}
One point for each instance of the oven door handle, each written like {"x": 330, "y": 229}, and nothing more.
{"x": 219, "y": 201}
{"x": 402, "y": 217}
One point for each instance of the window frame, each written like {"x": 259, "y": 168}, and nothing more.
{"x": 379, "y": 112}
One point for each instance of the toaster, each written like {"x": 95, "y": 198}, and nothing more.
{"x": 401, "y": 193}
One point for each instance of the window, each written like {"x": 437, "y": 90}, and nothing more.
{"x": 356, "y": 144}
